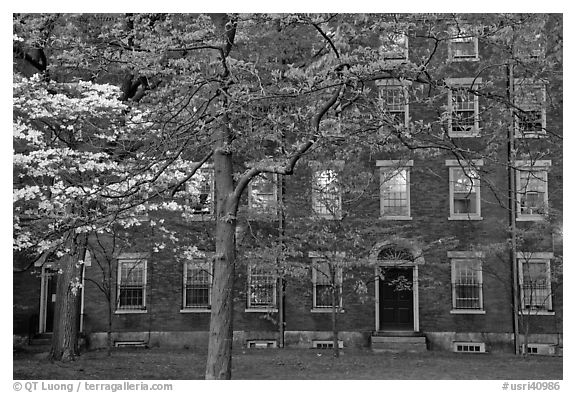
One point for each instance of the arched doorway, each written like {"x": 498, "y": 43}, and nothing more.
{"x": 396, "y": 285}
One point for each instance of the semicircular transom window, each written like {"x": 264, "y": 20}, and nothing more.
{"x": 395, "y": 254}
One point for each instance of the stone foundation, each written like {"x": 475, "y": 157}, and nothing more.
{"x": 495, "y": 342}
{"x": 199, "y": 339}
{"x": 437, "y": 341}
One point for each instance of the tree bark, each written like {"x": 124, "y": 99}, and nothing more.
{"x": 110, "y": 314}
{"x": 66, "y": 315}
{"x": 219, "y": 361}
{"x": 335, "y": 310}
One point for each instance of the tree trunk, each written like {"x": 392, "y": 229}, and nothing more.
{"x": 525, "y": 331}
{"x": 109, "y": 327}
{"x": 66, "y": 315}
{"x": 219, "y": 361}
{"x": 526, "y": 334}
{"x": 110, "y": 297}
{"x": 335, "y": 309}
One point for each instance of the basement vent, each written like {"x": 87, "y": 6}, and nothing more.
{"x": 325, "y": 344}
{"x": 468, "y": 347}
{"x": 540, "y": 349}
{"x": 125, "y": 344}
{"x": 261, "y": 344}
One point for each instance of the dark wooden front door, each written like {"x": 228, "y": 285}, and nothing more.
{"x": 396, "y": 301}
{"x": 51, "y": 283}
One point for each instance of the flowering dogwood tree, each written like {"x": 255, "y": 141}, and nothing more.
{"x": 78, "y": 172}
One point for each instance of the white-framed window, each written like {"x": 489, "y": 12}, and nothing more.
{"x": 197, "y": 285}
{"x": 201, "y": 191}
{"x": 463, "y": 44}
{"x": 532, "y": 189}
{"x": 325, "y": 277}
{"x": 530, "y": 46}
{"x": 394, "y": 45}
{"x": 535, "y": 282}
{"x": 530, "y": 111}
{"x": 394, "y": 98}
{"x": 464, "y": 190}
{"x": 262, "y": 193}
{"x": 463, "y": 107}
{"x": 262, "y": 282}
{"x": 467, "y": 296}
{"x": 131, "y": 294}
{"x": 468, "y": 347}
{"x": 394, "y": 189}
{"x": 326, "y": 194}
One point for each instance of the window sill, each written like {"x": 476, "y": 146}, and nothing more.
{"x": 530, "y": 217}
{"x": 131, "y": 312}
{"x": 531, "y": 313}
{"x": 261, "y": 310}
{"x": 195, "y": 310}
{"x": 459, "y": 59}
{"x": 396, "y": 218}
{"x": 465, "y": 218}
{"x": 327, "y": 310}
{"x": 463, "y": 134}
{"x": 530, "y": 135}
{"x": 465, "y": 311}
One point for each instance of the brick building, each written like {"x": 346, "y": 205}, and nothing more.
{"x": 441, "y": 222}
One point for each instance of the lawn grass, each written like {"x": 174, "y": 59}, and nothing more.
{"x": 145, "y": 364}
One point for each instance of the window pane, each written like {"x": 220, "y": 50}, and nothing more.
{"x": 131, "y": 288}
{"x": 201, "y": 190}
{"x": 395, "y": 103}
{"x": 132, "y": 273}
{"x": 467, "y": 285}
{"x": 323, "y": 284}
{"x": 463, "y": 45}
{"x": 198, "y": 284}
{"x": 131, "y": 297}
{"x": 464, "y": 203}
{"x": 394, "y": 98}
{"x": 529, "y": 120}
{"x": 394, "y": 192}
{"x": 197, "y": 295}
{"x": 535, "y": 290}
{"x": 532, "y": 192}
{"x": 326, "y": 193}
{"x": 529, "y": 98}
{"x": 464, "y": 48}
{"x": 322, "y": 273}
{"x": 463, "y": 112}
{"x": 262, "y": 288}
{"x": 323, "y": 296}
{"x": 464, "y": 191}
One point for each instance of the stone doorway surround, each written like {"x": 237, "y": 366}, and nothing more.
{"x": 397, "y": 252}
